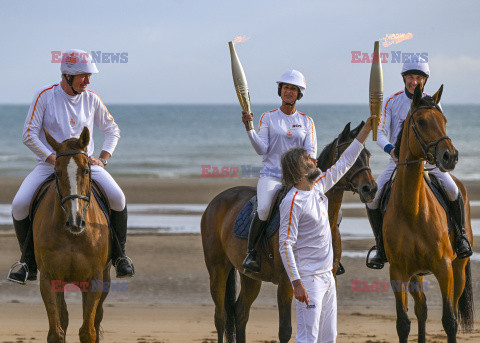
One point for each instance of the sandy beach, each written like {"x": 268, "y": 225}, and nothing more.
{"x": 169, "y": 299}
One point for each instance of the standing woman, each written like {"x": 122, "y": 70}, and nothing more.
{"x": 278, "y": 131}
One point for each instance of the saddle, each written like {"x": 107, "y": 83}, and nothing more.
{"x": 245, "y": 217}
{"x": 97, "y": 191}
{"x": 432, "y": 183}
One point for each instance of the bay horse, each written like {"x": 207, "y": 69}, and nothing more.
{"x": 224, "y": 253}
{"x": 415, "y": 227}
{"x": 71, "y": 239}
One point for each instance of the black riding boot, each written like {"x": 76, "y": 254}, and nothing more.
{"x": 462, "y": 245}
{"x": 122, "y": 263}
{"x": 252, "y": 261}
{"x": 24, "y": 236}
{"x": 376, "y": 221}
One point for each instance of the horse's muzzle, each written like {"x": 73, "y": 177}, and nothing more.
{"x": 367, "y": 191}
{"x": 75, "y": 226}
{"x": 446, "y": 160}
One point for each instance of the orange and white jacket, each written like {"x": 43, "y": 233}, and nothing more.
{"x": 305, "y": 240}
{"x": 278, "y": 132}
{"x": 64, "y": 116}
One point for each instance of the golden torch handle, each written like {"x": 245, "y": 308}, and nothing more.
{"x": 376, "y": 88}
{"x": 240, "y": 82}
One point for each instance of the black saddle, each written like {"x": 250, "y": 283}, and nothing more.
{"x": 97, "y": 191}
{"x": 432, "y": 183}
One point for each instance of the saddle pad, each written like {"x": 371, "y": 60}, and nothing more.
{"x": 245, "y": 217}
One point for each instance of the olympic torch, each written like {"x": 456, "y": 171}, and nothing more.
{"x": 240, "y": 82}
{"x": 376, "y": 88}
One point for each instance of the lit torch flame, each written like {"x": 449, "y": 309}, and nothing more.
{"x": 395, "y": 38}
{"x": 240, "y": 39}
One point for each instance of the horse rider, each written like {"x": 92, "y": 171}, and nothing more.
{"x": 396, "y": 107}
{"x": 64, "y": 109}
{"x": 305, "y": 239}
{"x": 278, "y": 131}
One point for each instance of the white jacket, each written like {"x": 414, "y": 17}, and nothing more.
{"x": 278, "y": 132}
{"x": 64, "y": 116}
{"x": 305, "y": 240}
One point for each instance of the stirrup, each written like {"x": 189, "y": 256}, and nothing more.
{"x": 340, "y": 269}
{"x": 369, "y": 263}
{"x": 130, "y": 263}
{"x": 16, "y": 264}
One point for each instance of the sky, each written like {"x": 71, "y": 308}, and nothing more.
{"x": 178, "y": 53}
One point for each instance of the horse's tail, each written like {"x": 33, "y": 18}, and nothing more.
{"x": 465, "y": 303}
{"x": 230, "y": 299}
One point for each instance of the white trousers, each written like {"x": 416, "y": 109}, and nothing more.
{"x": 446, "y": 182}
{"x": 267, "y": 186}
{"x": 317, "y": 322}
{"x": 21, "y": 202}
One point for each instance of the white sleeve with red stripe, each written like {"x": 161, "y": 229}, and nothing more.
{"x": 105, "y": 122}
{"x": 33, "y": 126}
{"x": 260, "y": 140}
{"x": 311, "y": 140}
{"x": 384, "y": 125}
{"x": 290, "y": 212}
{"x": 329, "y": 178}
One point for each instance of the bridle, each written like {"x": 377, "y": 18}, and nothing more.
{"x": 348, "y": 178}
{"x": 429, "y": 157}
{"x": 73, "y": 196}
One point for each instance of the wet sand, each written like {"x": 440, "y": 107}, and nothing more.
{"x": 169, "y": 299}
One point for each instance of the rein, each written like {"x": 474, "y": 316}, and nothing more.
{"x": 348, "y": 178}
{"x": 73, "y": 196}
{"x": 429, "y": 157}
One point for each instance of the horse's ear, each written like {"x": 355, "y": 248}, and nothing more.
{"x": 346, "y": 131}
{"x": 356, "y": 130}
{"x": 50, "y": 140}
{"x": 84, "y": 138}
{"x": 436, "y": 97}
{"x": 417, "y": 95}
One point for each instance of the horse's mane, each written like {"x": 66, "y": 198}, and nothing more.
{"x": 325, "y": 156}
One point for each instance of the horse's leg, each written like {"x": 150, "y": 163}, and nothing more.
{"x": 416, "y": 290}
{"x": 444, "y": 275}
{"x": 99, "y": 314}
{"x": 90, "y": 300}
{"x": 218, "y": 288}
{"x": 51, "y": 298}
{"x": 284, "y": 301}
{"x": 248, "y": 293}
{"x": 399, "y": 280}
{"x": 459, "y": 281}
{"x": 63, "y": 311}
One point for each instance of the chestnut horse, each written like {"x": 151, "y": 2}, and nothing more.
{"x": 415, "y": 227}
{"x": 224, "y": 253}
{"x": 71, "y": 239}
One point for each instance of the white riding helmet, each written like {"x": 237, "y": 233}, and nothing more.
{"x": 416, "y": 65}
{"x": 76, "y": 62}
{"x": 293, "y": 77}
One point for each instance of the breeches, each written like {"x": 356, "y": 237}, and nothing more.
{"x": 21, "y": 202}
{"x": 266, "y": 188}
{"x": 446, "y": 182}
{"x": 317, "y": 322}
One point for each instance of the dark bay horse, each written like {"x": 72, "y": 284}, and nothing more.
{"x": 415, "y": 226}
{"x": 71, "y": 240}
{"x": 224, "y": 253}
